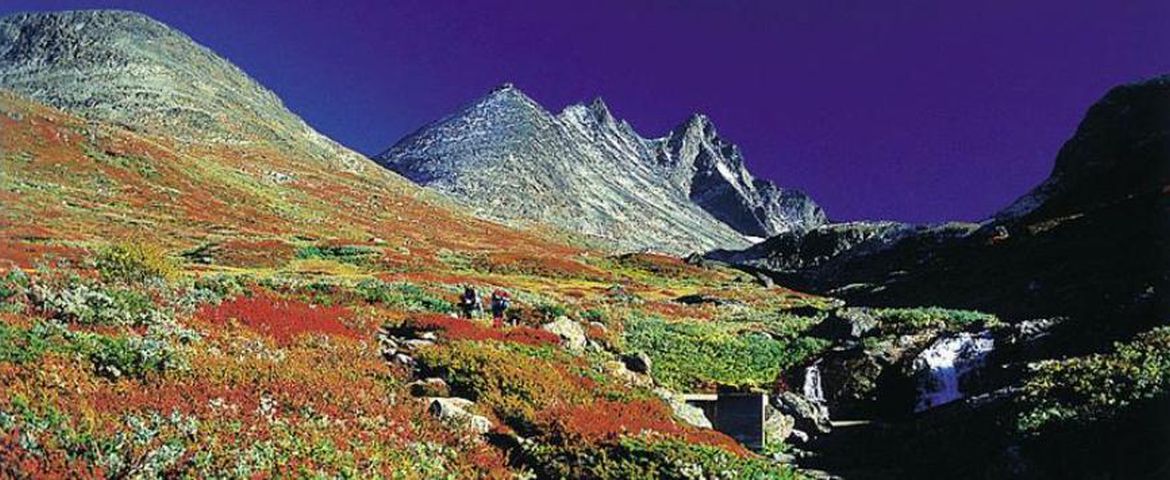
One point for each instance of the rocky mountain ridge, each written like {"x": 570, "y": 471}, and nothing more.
{"x": 1088, "y": 240}
{"x": 126, "y": 68}
{"x": 586, "y": 171}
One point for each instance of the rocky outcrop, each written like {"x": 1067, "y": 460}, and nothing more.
{"x": 1088, "y": 243}
{"x": 456, "y": 412}
{"x": 585, "y": 171}
{"x": 128, "y": 69}
{"x": 572, "y": 334}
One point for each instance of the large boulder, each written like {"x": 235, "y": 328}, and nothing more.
{"x": 807, "y": 415}
{"x": 638, "y": 362}
{"x": 684, "y": 411}
{"x": 455, "y": 411}
{"x": 572, "y": 333}
{"x": 847, "y": 324}
{"x": 777, "y": 425}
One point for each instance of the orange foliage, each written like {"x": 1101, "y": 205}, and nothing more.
{"x": 606, "y": 421}
{"x": 283, "y": 320}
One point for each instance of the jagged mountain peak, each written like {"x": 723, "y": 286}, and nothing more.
{"x": 589, "y": 172}
{"x": 126, "y": 68}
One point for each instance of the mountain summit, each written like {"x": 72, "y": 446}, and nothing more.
{"x": 586, "y": 171}
{"x": 129, "y": 69}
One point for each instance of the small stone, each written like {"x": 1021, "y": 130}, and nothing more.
{"x": 416, "y": 343}
{"x": 430, "y": 387}
{"x": 454, "y": 410}
{"x": 638, "y": 362}
{"x": 404, "y": 360}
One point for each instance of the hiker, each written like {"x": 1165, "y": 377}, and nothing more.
{"x": 500, "y": 301}
{"x": 469, "y": 303}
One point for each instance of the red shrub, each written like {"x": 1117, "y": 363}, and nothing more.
{"x": 606, "y": 421}
{"x": 460, "y": 329}
{"x": 281, "y": 319}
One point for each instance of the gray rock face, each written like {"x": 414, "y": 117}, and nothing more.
{"x": 128, "y": 69}
{"x": 587, "y": 172}
{"x": 808, "y": 415}
{"x": 713, "y": 172}
{"x": 572, "y": 333}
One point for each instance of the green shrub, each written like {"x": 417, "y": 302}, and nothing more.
{"x": 133, "y": 356}
{"x": 593, "y": 315}
{"x": 405, "y": 296}
{"x": 550, "y": 311}
{"x": 351, "y": 254}
{"x": 694, "y": 355}
{"x": 85, "y": 304}
{"x": 13, "y": 290}
{"x": 1094, "y": 387}
{"x": 112, "y": 357}
{"x": 900, "y": 321}
{"x": 135, "y": 262}
{"x": 649, "y": 458}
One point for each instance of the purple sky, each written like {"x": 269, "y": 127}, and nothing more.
{"x": 909, "y": 110}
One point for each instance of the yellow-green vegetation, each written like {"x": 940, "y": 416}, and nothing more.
{"x": 135, "y": 261}
{"x": 1082, "y": 390}
{"x": 697, "y": 356}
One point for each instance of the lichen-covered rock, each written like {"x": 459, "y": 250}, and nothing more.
{"x": 638, "y": 362}
{"x": 682, "y": 410}
{"x": 572, "y": 333}
{"x": 429, "y": 387}
{"x": 808, "y": 415}
{"x": 455, "y": 411}
{"x": 777, "y": 425}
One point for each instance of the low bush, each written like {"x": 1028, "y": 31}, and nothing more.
{"x": 900, "y": 321}
{"x": 112, "y": 357}
{"x": 650, "y": 457}
{"x": 401, "y": 295}
{"x": 1085, "y": 389}
{"x": 351, "y": 254}
{"x": 83, "y": 303}
{"x": 281, "y": 319}
{"x": 691, "y": 356}
{"x": 134, "y": 262}
{"x": 514, "y": 381}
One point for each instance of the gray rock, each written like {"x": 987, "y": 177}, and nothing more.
{"x": 808, "y": 415}
{"x": 777, "y": 426}
{"x": 682, "y": 410}
{"x": 404, "y": 360}
{"x": 847, "y": 324}
{"x": 572, "y": 333}
{"x": 638, "y": 362}
{"x": 417, "y": 343}
{"x": 454, "y": 410}
{"x": 430, "y": 387}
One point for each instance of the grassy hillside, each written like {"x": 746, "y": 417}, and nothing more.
{"x": 208, "y": 311}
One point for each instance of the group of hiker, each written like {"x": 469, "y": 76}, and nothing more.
{"x": 472, "y": 306}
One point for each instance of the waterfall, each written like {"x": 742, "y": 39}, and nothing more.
{"x": 944, "y": 364}
{"x": 812, "y": 383}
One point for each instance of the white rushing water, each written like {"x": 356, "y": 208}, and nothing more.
{"x": 945, "y": 363}
{"x": 812, "y": 383}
